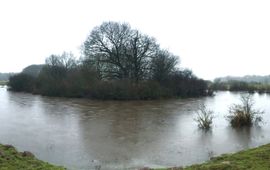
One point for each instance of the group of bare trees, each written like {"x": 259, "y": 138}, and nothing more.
{"x": 119, "y": 52}
{"x": 118, "y": 62}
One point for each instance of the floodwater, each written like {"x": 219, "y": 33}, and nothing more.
{"x": 85, "y": 134}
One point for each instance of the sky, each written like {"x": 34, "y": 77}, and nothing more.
{"x": 213, "y": 38}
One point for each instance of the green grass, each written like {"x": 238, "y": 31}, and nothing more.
{"x": 252, "y": 159}
{"x": 11, "y": 159}
{"x": 2, "y": 83}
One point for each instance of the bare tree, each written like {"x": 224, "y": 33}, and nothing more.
{"x": 66, "y": 60}
{"x": 162, "y": 65}
{"x": 119, "y": 51}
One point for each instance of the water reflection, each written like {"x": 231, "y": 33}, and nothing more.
{"x": 83, "y": 134}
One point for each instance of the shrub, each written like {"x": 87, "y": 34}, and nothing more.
{"x": 204, "y": 117}
{"x": 244, "y": 114}
{"x": 21, "y": 82}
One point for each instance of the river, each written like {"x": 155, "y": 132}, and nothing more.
{"x": 81, "y": 134}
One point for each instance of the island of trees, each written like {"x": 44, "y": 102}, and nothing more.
{"x": 118, "y": 63}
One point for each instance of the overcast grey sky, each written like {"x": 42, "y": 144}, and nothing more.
{"x": 212, "y": 37}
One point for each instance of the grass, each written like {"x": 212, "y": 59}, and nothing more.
{"x": 2, "y": 83}
{"x": 11, "y": 159}
{"x": 252, "y": 159}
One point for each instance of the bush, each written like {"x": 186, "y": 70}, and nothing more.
{"x": 244, "y": 114}
{"x": 127, "y": 90}
{"x": 63, "y": 76}
{"x": 204, "y": 117}
{"x": 21, "y": 82}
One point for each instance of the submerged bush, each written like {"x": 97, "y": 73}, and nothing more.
{"x": 244, "y": 114}
{"x": 204, "y": 117}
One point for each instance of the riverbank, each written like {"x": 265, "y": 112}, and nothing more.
{"x": 11, "y": 159}
{"x": 256, "y": 158}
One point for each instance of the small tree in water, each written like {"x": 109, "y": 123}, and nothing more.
{"x": 244, "y": 114}
{"x": 204, "y": 117}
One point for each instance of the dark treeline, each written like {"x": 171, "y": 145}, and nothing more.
{"x": 234, "y": 85}
{"x": 118, "y": 63}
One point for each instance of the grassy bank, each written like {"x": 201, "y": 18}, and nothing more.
{"x": 11, "y": 159}
{"x": 253, "y": 159}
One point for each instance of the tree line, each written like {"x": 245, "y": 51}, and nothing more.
{"x": 118, "y": 63}
{"x": 247, "y": 79}
{"x": 234, "y": 85}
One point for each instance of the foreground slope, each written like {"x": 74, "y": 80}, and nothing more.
{"x": 11, "y": 159}
{"x": 252, "y": 159}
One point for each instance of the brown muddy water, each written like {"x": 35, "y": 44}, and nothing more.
{"x": 83, "y": 134}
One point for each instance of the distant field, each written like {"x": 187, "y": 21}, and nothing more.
{"x": 2, "y": 83}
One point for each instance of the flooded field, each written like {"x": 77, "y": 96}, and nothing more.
{"x": 82, "y": 134}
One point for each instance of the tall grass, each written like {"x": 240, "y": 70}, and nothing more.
{"x": 244, "y": 114}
